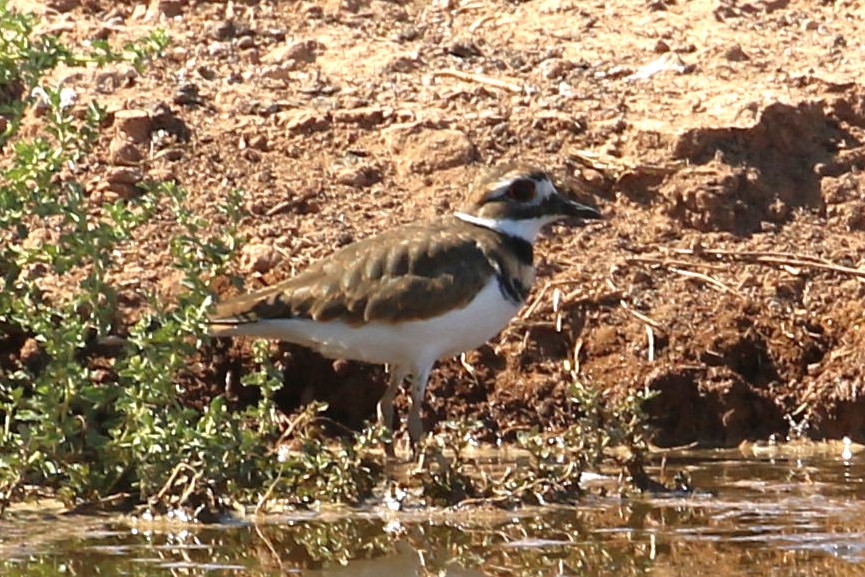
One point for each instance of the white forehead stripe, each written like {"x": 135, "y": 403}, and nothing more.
{"x": 546, "y": 188}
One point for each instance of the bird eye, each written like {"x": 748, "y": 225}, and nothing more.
{"x": 521, "y": 190}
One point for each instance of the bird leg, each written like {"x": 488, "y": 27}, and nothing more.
{"x": 384, "y": 410}
{"x": 415, "y": 424}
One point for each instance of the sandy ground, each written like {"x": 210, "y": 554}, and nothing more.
{"x": 723, "y": 141}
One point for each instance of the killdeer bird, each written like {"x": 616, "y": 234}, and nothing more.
{"x": 413, "y": 295}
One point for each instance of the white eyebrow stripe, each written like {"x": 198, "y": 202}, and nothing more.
{"x": 526, "y": 229}
{"x": 544, "y": 188}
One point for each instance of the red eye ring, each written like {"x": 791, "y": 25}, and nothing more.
{"x": 521, "y": 190}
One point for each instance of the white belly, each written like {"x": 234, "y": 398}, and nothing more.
{"x": 413, "y": 344}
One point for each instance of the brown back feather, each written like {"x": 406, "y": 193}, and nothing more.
{"x": 431, "y": 268}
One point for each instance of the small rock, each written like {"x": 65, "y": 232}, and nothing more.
{"x": 188, "y": 95}
{"x": 217, "y": 49}
{"x": 246, "y": 43}
{"x": 661, "y": 47}
{"x": 258, "y": 142}
{"x": 225, "y": 30}
{"x": 403, "y": 64}
{"x": 63, "y": 5}
{"x": 463, "y": 49}
{"x": 259, "y": 257}
{"x": 109, "y": 81}
{"x": 303, "y": 121}
{"x": 768, "y": 227}
{"x": 124, "y": 175}
{"x": 206, "y": 72}
{"x": 365, "y": 117}
{"x": 431, "y": 150}
{"x": 277, "y": 34}
{"x": 251, "y": 155}
{"x": 362, "y": 176}
{"x": 122, "y": 190}
{"x": 303, "y": 51}
{"x": 594, "y": 178}
{"x": 555, "y": 68}
{"x": 281, "y": 71}
{"x": 245, "y": 30}
{"x": 170, "y": 8}
{"x": 854, "y": 215}
{"x": 313, "y": 11}
{"x": 177, "y": 54}
{"x": 124, "y": 152}
{"x": 136, "y": 125}
{"x": 735, "y": 54}
{"x": 809, "y": 24}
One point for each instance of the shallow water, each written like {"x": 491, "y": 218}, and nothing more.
{"x": 783, "y": 515}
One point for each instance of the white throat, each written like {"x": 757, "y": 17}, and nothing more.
{"x": 526, "y": 229}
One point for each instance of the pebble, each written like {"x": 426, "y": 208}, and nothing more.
{"x": 124, "y": 152}
{"x": 431, "y": 150}
{"x": 258, "y": 142}
{"x": 259, "y": 257}
{"x": 246, "y": 43}
{"x": 303, "y": 121}
{"x": 135, "y": 124}
{"x": 735, "y": 54}
{"x": 365, "y": 117}
{"x": 170, "y": 8}
{"x": 225, "y": 30}
{"x": 362, "y": 176}
{"x": 303, "y": 51}
{"x": 124, "y": 175}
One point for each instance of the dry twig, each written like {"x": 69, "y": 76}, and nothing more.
{"x": 666, "y": 262}
{"x": 480, "y": 79}
{"x": 650, "y": 335}
{"x": 641, "y": 317}
{"x": 710, "y": 280}
{"x": 775, "y": 259}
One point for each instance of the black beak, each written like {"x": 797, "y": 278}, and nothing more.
{"x": 570, "y": 208}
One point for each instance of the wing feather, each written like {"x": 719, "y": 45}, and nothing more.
{"x": 430, "y": 269}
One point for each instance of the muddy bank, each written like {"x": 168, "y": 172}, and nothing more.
{"x": 722, "y": 140}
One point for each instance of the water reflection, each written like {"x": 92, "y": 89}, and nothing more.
{"x": 775, "y": 516}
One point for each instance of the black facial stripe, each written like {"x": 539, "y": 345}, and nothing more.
{"x": 512, "y": 287}
{"x": 520, "y": 247}
{"x": 527, "y": 211}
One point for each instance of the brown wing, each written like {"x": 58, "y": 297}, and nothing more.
{"x": 427, "y": 270}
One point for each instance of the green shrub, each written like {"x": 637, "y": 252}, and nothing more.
{"x": 67, "y": 425}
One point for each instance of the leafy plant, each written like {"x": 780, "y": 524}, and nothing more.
{"x": 316, "y": 469}
{"x": 76, "y": 419}
{"x": 555, "y": 463}
{"x": 445, "y": 474}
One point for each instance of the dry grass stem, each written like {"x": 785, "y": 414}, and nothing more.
{"x": 650, "y": 335}
{"x": 480, "y": 79}
{"x": 781, "y": 259}
{"x": 711, "y": 281}
{"x": 641, "y": 317}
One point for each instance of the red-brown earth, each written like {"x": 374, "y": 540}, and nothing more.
{"x": 724, "y": 141}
